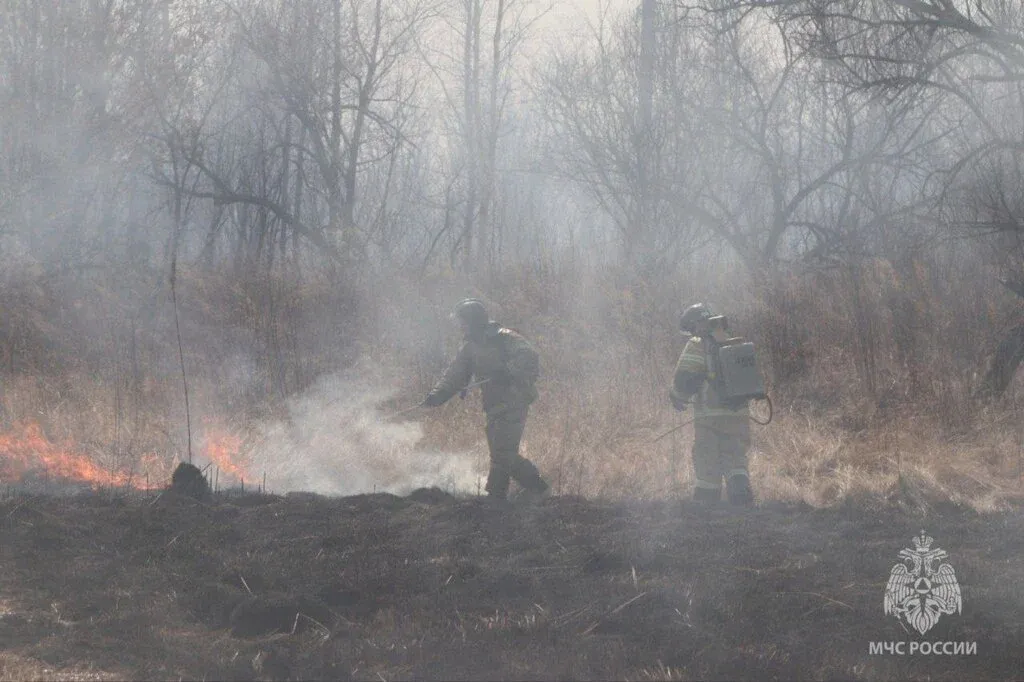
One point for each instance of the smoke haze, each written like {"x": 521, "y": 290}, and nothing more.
{"x": 337, "y": 441}
{"x": 323, "y": 198}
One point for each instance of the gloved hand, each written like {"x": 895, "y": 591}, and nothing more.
{"x": 678, "y": 401}
{"x": 433, "y": 399}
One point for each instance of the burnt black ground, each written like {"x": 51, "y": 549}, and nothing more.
{"x": 433, "y": 587}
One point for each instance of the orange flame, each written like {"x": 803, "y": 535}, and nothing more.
{"x": 225, "y": 450}
{"x": 25, "y": 451}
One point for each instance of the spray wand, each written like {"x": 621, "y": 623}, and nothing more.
{"x": 672, "y": 430}
{"x": 419, "y": 405}
{"x": 405, "y": 411}
{"x": 481, "y": 382}
{"x": 690, "y": 421}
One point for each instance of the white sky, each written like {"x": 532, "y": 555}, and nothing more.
{"x": 573, "y": 14}
{"x": 567, "y": 22}
{"x": 590, "y": 8}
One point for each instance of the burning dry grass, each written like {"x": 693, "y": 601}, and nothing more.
{"x": 592, "y": 432}
{"x": 261, "y": 379}
{"x": 339, "y": 440}
{"x": 29, "y": 455}
{"x": 336, "y": 438}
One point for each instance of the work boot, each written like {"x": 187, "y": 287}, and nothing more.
{"x": 737, "y": 489}
{"x": 533, "y": 495}
{"x": 707, "y": 496}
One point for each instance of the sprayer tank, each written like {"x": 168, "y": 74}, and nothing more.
{"x": 741, "y": 378}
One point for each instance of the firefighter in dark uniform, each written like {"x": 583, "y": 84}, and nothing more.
{"x": 509, "y": 366}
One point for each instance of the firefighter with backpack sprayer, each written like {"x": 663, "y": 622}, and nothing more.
{"x": 719, "y": 375}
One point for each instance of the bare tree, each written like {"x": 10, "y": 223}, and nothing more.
{"x": 623, "y": 128}
{"x": 962, "y": 65}
{"x": 65, "y": 97}
{"x": 324, "y": 100}
{"x": 477, "y": 81}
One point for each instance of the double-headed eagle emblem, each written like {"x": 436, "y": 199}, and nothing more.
{"x": 919, "y": 592}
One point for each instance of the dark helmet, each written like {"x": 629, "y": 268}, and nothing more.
{"x": 692, "y": 316}
{"x": 472, "y": 312}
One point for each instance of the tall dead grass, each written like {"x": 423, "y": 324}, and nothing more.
{"x": 873, "y": 390}
{"x": 872, "y": 383}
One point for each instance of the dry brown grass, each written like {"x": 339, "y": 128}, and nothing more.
{"x": 801, "y": 460}
{"x": 608, "y": 345}
{"x": 798, "y": 458}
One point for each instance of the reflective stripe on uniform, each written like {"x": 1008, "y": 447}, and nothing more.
{"x": 708, "y": 485}
{"x": 737, "y": 472}
{"x": 692, "y": 359}
{"x": 700, "y": 410}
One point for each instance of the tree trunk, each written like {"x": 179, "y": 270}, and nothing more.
{"x": 471, "y": 104}
{"x": 485, "y": 223}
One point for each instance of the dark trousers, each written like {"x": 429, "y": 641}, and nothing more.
{"x": 504, "y": 432}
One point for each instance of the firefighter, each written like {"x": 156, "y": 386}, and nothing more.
{"x": 721, "y": 429}
{"x": 508, "y": 366}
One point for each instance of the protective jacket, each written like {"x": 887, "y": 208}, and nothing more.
{"x": 696, "y": 379}
{"x": 505, "y": 359}
{"x": 721, "y": 432}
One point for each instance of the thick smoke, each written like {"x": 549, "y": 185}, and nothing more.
{"x": 338, "y": 441}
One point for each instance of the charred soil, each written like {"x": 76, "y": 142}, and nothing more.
{"x": 98, "y": 586}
